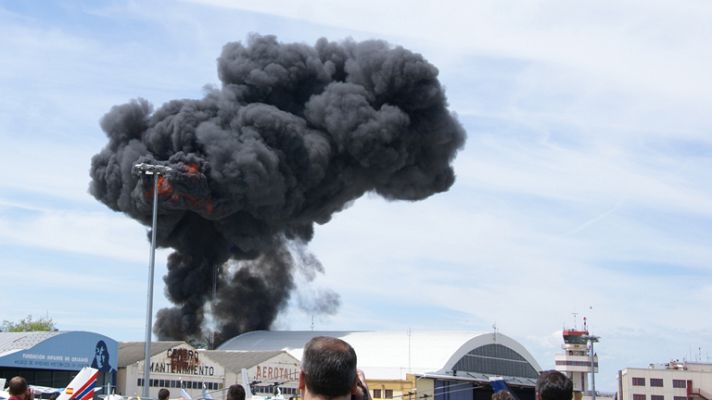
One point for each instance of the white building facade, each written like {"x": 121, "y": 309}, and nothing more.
{"x": 174, "y": 366}
{"x": 178, "y": 366}
{"x": 671, "y": 381}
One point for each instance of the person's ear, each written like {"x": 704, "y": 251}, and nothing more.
{"x": 301, "y": 380}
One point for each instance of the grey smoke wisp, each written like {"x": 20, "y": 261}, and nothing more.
{"x": 294, "y": 134}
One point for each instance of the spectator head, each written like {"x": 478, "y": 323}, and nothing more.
{"x": 503, "y": 395}
{"x": 17, "y": 386}
{"x": 553, "y": 385}
{"x": 328, "y": 368}
{"x": 163, "y": 394}
{"x": 236, "y": 392}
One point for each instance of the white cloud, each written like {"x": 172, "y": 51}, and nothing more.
{"x": 93, "y": 233}
{"x": 630, "y": 43}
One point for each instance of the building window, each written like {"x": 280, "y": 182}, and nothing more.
{"x": 657, "y": 397}
{"x": 576, "y": 363}
{"x": 679, "y": 383}
{"x": 389, "y": 393}
{"x": 638, "y": 397}
{"x": 376, "y": 393}
{"x": 657, "y": 382}
{"x": 679, "y": 398}
{"x": 638, "y": 381}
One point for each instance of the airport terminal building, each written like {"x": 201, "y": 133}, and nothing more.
{"x": 52, "y": 359}
{"x": 439, "y": 365}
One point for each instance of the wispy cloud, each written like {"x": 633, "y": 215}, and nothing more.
{"x": 93, "y": 233}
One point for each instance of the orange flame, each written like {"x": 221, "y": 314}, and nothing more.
{"x": 192, "y": 168}
{"x": 163, "y": 185}
{"x": 165, "y": 189}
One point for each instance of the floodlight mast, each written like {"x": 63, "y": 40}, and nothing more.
{"x": 592, "y": 339}
{"x": 151, "y": 169}
{"x": 155, "y": 170}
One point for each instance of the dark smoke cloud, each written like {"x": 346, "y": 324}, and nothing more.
{"x": 294, "y": 135}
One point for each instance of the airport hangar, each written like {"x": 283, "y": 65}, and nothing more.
{"x": 415, "y": 365}
{"x": 53, "y": 358}
{"x": 179, "y": 366}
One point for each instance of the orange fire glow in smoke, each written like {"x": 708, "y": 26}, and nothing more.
{"x": 165, "y": 190}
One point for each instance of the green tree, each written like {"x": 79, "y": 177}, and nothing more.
{"x": 29, "y": 325}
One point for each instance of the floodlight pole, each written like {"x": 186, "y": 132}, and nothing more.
{"x": 592, "y": 339}
{"x": 155, "y": 170}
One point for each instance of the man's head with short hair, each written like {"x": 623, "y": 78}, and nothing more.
{"x": 502, "y": 395}
{"x": 163, "y": 394}
{"x": 328, "y": 367}
{"x": 553, "y": 385}
{"x": 17, "y": 386}
{"x": 236, "y": 392}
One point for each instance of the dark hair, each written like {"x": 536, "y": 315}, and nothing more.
{"x": 329, "y": 366}
{"x": 502, "y": 395}
{"x": 236, "y": 392}
{"x": 553, "y": 385}
{"x": 17, "y": 386}
{"x": 163, "y": 394}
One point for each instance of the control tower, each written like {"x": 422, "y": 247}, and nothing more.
{"x": 579, "y": 359}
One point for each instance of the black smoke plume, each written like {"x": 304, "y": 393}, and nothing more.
{"x": 294, "y": 135}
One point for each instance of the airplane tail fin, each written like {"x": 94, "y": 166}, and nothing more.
{"x": 185, "y": 394}
{"x": 499, "y": 384}
{"x": 246, "y": 384}
{"x": 206, "y": 394}
{"x": 82, "y": 386}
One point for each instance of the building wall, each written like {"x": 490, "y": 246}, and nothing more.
{"x": 280, "y": 371}
{"x": 180, "y": 366}
{"x": 54, "y": 361}
{"x": 391, "y": 389}
{"x": 195, "y": 368}
{"x": 425, "y": 388}
{"x": 695, "y": 381}
{"x": 454, "y": 390}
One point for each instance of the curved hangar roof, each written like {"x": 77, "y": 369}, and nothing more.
{"x": 57, "y": 350}
{"x": 392, "y": 354}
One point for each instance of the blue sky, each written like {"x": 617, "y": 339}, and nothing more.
{"x": 584, "y": 186}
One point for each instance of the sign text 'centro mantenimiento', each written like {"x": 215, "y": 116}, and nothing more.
{"x": 184, "y": 362}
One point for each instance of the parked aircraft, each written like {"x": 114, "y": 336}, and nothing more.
{"x": 80, "y": 388}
